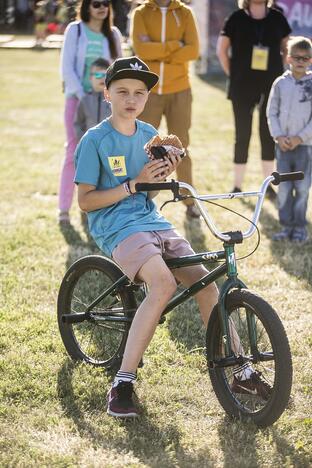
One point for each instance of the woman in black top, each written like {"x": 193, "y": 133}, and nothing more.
{"x": 257, "y": 36}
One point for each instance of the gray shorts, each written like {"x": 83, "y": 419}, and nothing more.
{"x": 133, "y": 252}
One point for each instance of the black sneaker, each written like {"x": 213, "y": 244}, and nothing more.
{"x": 236, "y": 190}
{"x": 119, "y": 401}
{"x": 255, "y": 385}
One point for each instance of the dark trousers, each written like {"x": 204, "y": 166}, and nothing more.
{"x": 243, "y": 111}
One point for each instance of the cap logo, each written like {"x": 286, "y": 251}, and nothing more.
{"x": 136, "y": 66}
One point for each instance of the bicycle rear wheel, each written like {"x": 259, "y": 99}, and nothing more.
{"x": 100, "y": 338}
{"x": 270, "y": 363}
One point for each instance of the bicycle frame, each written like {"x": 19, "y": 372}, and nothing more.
{"x": 228, "y": 268}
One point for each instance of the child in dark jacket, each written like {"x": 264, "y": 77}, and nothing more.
{"x": 93, "y": 108}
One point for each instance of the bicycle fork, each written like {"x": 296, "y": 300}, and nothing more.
{"x": 228, "y": 337}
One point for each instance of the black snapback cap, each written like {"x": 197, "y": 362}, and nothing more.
{"x": 130, "y": 67}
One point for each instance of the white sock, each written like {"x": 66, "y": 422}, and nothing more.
{"x": 124, "y": 377}
{"x": 244, "y": 372}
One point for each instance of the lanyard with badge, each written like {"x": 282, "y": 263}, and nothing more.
{"x": 260, "y": 53}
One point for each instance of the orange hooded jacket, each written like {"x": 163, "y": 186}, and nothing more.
{"x": 166, "y": 39}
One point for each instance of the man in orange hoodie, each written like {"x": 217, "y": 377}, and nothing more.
{"x": 165, "y": 36}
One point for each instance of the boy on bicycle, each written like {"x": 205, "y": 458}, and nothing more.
{"x": 289, "y": 115}
{"x": 110, "y": 160}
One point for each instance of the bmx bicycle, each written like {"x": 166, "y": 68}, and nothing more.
{"x": 97, "y": 302}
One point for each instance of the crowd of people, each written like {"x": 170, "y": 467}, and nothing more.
{"x": 138, "y": 90}
{"x": 257, "y": 38}
{"x": 45, "y": 17}
{"x": 172, "y": 97}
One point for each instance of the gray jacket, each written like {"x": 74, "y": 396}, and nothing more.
{"x": 289, "y": 109}
{"x": 92, "y": 109}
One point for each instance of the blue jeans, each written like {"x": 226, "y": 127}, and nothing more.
{"x": 293, "y": 195}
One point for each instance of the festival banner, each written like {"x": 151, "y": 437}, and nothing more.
{"x": 297, "y": 12}
{"x": 299, "y": 16}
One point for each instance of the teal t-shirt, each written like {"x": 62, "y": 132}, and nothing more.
{"x": 94, "y": 51}
{"x": 106, "y": 158}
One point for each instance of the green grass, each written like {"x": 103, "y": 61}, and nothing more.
{"x": 52, "y": 412}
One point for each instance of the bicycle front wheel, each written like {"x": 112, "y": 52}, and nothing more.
{"x": 258, "y": 386}
{"x": 101, "y": 337}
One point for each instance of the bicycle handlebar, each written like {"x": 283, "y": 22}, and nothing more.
{"x": 145, "y": 187}
{"x": 278, "y": 178}
{"x": 174, "y": 186}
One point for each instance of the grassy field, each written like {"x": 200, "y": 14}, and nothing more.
{"x": 52, "y": 412}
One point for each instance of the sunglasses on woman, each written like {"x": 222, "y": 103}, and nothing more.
{"x": 97, "y": 4}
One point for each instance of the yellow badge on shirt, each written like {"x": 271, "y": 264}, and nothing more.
{"x": 117, "y": 165}
{"x": 260, "y": 58}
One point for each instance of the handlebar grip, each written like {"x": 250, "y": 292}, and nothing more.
{"x": 278, "y": 178}
{"x": 145, "y": 187}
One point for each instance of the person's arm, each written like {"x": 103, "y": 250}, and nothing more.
{"x": 284, "y": 42}
{"x": 68, "y": 60}
{"x": 306, "y": 133}
{"x": 118, "y": 39}
{"x": 190, "y": 48}
{"x": 223, "y": 48}
{"x": 90, "y": 199}
{"x": 143, "y": 46}
{"x": 273, "y": 111}
{"x": 80, "y": 121}
{"x": 285, "y": 29}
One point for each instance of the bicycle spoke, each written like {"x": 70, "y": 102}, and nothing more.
{"x": 251, "y": 402}
{"x": 95, "y": 339}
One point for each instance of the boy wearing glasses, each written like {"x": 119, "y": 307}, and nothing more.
{"x": 93, "y": 108}
{"x": 289, "y": 114}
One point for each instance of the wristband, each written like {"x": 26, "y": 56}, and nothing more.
{"x": 127, "y": 187}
